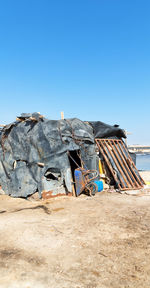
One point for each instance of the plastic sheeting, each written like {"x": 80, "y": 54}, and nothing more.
{"x": 102, "y": 130}
{"x": 33, "y": 145}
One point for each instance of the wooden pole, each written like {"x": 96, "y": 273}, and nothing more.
{"x": 62, "y": 115}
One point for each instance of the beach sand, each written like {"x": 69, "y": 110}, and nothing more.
{"x": 85, "y": 242}
{"x": 145, "y": 175}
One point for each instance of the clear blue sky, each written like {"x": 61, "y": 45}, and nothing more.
{"x": 88, "y": 58}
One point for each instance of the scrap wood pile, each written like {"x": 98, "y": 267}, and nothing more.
{"x": 41, "y": 155}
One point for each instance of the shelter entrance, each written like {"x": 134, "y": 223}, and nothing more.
{"x": 75, "y": 161}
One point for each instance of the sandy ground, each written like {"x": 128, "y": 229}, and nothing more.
{"x": 101, "y": 241}
{"x": 145, "y": 175}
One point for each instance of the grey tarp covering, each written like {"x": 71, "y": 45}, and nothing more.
{"x": 32, "y": 140}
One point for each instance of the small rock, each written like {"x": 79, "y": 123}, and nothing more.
{"x": 2, "y": 191}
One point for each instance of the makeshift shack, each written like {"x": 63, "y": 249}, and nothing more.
{"x": 37, "y": 154}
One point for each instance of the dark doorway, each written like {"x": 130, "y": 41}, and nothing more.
{"x": 75, "y": 161}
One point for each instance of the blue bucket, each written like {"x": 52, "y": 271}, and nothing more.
{"x": 99, "y": 184}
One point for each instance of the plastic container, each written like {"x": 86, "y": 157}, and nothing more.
{"x": 99, "y": 184}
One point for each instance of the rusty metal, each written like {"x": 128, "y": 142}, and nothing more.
{"x": 127, "y": 170}
{"x": 134, "y": 164}
{"x": 106, "y": 158}
{"x": 120, "y": 164}
{"x": 50, "y": 194}
{"x": 125, "y": 167}
{"x": 116, "y": 163}
{"x": 84, "y": 181}
{"x": 130, "y": 164}
{"x": 125, "y": 173}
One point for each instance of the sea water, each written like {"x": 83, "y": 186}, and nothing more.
{"x": 143, "y": 162}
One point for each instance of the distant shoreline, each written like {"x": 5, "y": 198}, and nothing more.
{"x": 142, "y": 153}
